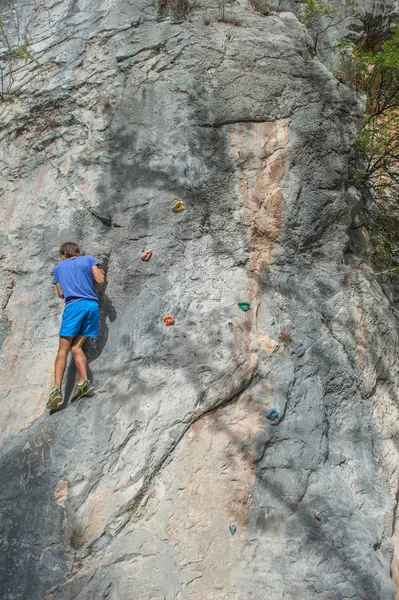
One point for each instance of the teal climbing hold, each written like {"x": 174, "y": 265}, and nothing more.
{"x": 232, "y": 528}
{"x": 244, "y": 306}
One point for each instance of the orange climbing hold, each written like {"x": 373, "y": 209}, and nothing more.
{"x": 169, "y": 320}
{"x": 146, "y": 255}
{"x": 178, "y": 206}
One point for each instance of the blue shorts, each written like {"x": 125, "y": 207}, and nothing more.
{"x": 81, "y": 318}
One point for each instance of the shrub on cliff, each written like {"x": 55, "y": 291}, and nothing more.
{"x": 320, "y": 16}
{"x": 377, "y": 157}
{"x": 177, "y": 9}
{"x": 261, "y": 6}
{"x": 12, "y": 54}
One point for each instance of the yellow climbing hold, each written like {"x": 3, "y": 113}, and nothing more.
{"x": 178, "y": 206}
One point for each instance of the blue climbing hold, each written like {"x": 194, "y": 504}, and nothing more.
{"x": 273, "y": 414}
{"x": 244, "y": 306}
{"x": 232, "y": 528}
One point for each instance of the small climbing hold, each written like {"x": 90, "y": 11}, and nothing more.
{"x": 169, "y": 320}
{"x": 244, "y": 306}
{"x": 146, "y": 255}
{"x": 178, "y": 206}
{"x": 203, "y": 368}
{"x": 211, "y": 70}
{"x": 273, "y": 414}
{"x": 232, "y": 528}
{"x": 272, "y": 321}
{"x": 317, "y": 516}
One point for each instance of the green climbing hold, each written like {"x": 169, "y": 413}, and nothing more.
{"x": 232, "y": 528}
{"x": 244, "y": 306}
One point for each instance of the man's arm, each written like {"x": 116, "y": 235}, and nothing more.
{"x": 59, "y": 290}
{"x": 98, "y": 275}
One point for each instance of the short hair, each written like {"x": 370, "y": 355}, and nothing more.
{"x": 70, "y": 249}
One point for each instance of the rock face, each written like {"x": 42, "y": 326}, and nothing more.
{"x": 130, "y": 494}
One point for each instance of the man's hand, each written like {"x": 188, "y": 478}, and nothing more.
{"x": 59, "y": 290}
{"x": 98, "y": 274}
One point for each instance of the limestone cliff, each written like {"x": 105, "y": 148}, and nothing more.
{"x": 123, "y": 115}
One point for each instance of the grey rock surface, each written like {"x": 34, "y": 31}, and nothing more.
{"x": 125, "y": 115}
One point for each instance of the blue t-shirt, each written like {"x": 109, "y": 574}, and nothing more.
{"x": 76, "y": 278}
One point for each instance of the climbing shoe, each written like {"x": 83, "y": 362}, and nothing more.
{"x": 81, "y": 390}
{"x": 55, "y": 400}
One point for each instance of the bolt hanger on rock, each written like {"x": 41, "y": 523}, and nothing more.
{"x": 169, "y": 320}
{"x": 232, "y": 528}
{"x": 178, "y": 206}
{"x": 146, "y": 255}
{"x": 244, "y": 306}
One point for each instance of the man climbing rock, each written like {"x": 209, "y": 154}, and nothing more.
{"x": 74, "y": 279}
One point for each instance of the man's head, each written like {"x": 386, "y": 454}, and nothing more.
{"x": 69, "y": 250}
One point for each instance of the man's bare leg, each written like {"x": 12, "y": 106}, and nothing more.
{"x": 84, "y": 386}
{"x": 79, "y": 356}
{"x": 61, "y": 360}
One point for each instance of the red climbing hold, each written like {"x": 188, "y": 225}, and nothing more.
{"x": 146, "y": 255}
{"x": 169, "y": 320}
